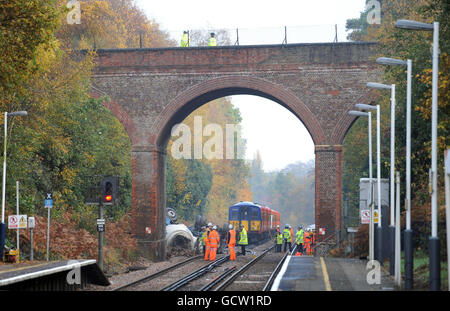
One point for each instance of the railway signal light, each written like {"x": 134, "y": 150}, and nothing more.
{"x": 109, "y": 189}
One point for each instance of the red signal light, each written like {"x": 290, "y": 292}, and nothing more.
{"x": 108, "y": 198}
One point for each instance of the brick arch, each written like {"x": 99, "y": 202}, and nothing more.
{"x": 194, "y": 97}
{"x": 346, "y": 121}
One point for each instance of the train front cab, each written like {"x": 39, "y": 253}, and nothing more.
{"x": 249, "y": 216}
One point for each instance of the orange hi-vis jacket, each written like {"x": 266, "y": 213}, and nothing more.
{"x": 214, "y": 239}
{"x": 206, "y": 238}
{"x": 307, "y": 237}
{"x": 292, "y": 234}
{"x": 232, "y": 237}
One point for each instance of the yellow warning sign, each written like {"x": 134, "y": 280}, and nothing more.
{"x": 375, "y": 216}
{"x": 23, "y": 222}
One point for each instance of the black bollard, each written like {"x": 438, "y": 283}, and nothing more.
{"x": 392, "y": 250}
{"x": 379, "y": 250}
{"x": 2, "y": 239}
{"x": 409, "y": 260}
{"x": 435, "y": 265}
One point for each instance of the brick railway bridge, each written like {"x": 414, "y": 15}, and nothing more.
{"x": 151, "y": 90}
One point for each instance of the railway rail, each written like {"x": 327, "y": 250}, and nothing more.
{"x": 239, "y": 272}
{"x": 198, "y": 279}
{"x": 154, "y": 275}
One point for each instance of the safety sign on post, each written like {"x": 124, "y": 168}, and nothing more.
{"x": 375, "y": 216}
{"x": 365, "y": 216}
{"x": 17, "y": 222}
{"x": 322, "y": 231}
{"x": 48, "y": 205}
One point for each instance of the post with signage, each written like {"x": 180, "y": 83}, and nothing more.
{"x": 17, "y": 213}
{"x": 100, "y": 234}
{"x": 48, "y": 205}
{"x": 17, "y": 222}
{"x": 31, "y": 225}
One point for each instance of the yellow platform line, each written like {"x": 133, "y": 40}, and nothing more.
{"x": 326, "y": 279}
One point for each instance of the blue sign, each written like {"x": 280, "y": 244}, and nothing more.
{"x": 48, "y": 203}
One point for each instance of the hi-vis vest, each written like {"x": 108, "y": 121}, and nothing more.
{"x": 212, "y": 41}
{"x": 214, "y": 239}
{"x": 299, "y": 237}
{"x": 287, "y": 235}
{"x": 243, "y": 237}
{"x": 279, "y": 238}
{"x": 185, "y": 40}
{"x": 204, "y": 237}
{"x": 232, "y": 240}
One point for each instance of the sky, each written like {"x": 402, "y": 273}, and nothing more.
{"x": 280, "y": 137}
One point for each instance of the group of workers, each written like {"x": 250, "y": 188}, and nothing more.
{"x": 304, "y": 240}
{"x": 210, "y": 240}
{"x": 185, "y": 39}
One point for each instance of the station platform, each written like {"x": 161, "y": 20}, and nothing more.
{"x": 51, "y": 275}
{"x": 307, "y": 273}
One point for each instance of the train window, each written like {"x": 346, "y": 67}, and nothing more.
{"x": 234, "y": 215}
{"x": 255, "y": 214}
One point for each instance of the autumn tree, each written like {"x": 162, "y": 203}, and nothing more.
{"x": 414, "y": 45}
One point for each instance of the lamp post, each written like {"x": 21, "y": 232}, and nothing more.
{"x": 379, "y": 249}
{"x": 435, "y": 265}
{"x": 392, "y": 169}
{"x": 2, "y": 225}
{"x": 369, "y": 127}
{"x": 409, "y": 249}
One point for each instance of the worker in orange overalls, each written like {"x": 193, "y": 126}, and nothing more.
{"x": 214, "y": 240}
{"x": 307, "y": 242}
{"x": 206, "y": 240}
{"x": 231, "y": 242}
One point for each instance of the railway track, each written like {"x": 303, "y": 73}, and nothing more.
{"x": 218, "y": 275}
{"x": 226, "y": 280}
{"x": 155, "y": 275}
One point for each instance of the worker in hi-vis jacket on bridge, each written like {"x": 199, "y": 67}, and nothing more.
{"x": 212, "y": 40}
{"x": 185, "y": 39}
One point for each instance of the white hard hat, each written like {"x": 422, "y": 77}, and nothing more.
{"x": 209, "y": 224}
{"x": 215, "y": 227}
{"x": 230, "y": 226}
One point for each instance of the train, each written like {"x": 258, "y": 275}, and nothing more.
{"x": 259, "y": 221}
